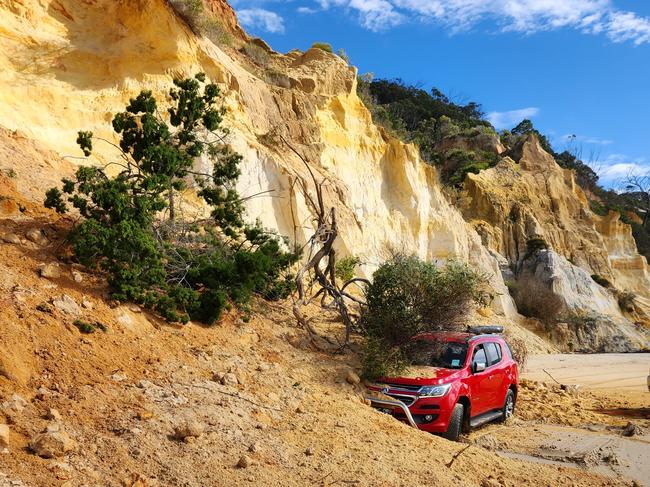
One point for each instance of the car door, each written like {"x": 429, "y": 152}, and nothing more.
{"x": 496, "y": 374}
{"x": 479, "y": 383}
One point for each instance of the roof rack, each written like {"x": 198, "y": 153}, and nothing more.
{"x": 485, "y": 330}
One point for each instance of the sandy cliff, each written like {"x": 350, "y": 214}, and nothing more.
{"x": 68, "y": 65}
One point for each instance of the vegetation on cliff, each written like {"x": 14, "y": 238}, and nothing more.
{"x": 432, "y": 121}
{"x": 130, "y": 226}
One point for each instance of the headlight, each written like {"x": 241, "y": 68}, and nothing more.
{"x": 435, "y": 391}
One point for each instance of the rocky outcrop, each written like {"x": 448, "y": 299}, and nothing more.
{"x": 590, "y": 318}
{"x": 533, "y": 198}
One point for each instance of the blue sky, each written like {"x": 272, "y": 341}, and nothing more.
{"x": 575, "y": 67}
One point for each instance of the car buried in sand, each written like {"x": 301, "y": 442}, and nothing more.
{"x": 459, "y": 381}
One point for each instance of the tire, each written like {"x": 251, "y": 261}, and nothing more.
{"x": 455, "y": 423}
{"x": 508, "y": 406}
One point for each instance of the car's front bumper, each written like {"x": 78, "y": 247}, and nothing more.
{"x": 426, "y": 413}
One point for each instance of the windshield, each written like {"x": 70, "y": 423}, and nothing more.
{"x": 447, "y": 355}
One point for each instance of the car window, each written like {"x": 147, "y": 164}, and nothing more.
{"x": 508, "y": 350}
{"x": 479, "y": 356}
{"x": 448, "y": 355}
{"x": 493, "y": 352}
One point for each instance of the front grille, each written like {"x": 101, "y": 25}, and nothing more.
{"x": 403, "y": 387}
{"x": 407, "y": 400}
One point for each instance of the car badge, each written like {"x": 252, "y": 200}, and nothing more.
{"x": 385, "y": 390}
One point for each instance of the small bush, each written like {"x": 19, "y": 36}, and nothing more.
{"x": 600, "y": 280}
{"x": 343, "y": 55}
{"x": 345, "y": 267}
{"x": 535, "y": 300}
{"x": 193, "y": 14}
{"x": 323, "y": 46}
{"x": 214, "y": 30}
{"x": 11, "y": 173}
{"x": 191, "y": 11}
{"x": 598, "y": 208}
{"x": 257, "y": 54}
{"x": 626, "y": 301}
{"x": 129, "y": 228}
{"x": 84, "y": 327}
{"x": 278, "y": 78}
{"x": 409, "y": 296}
{"x": 535, "y": 244}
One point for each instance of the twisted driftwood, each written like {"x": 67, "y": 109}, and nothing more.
{"x": 321, "y": 249}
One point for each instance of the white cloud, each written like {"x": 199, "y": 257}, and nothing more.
{"x": 615, "y": 175}
{"x": 527, "y": 16}
{"x": 306, "y": 10}
{"x": 259, "y": 18}
{"x": 507, "y": 120}
{"x": 376, "y": 15}
{"x": 627, "y": 26}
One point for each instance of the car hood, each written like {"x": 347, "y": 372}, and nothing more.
{"x": 421, "y": 375}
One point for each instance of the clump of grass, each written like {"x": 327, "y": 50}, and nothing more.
{"x": 324, "y": 46}
{"x": 278, "y": 78}
{"x": 193, "y": 14}
{"x": 257, "y": 54}
{"x": 85, "y": 327}
{"x": 214, "y": 30}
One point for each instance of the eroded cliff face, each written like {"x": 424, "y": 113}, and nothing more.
{"x": 68, "y": 65}
{"x": 535, "y": 198}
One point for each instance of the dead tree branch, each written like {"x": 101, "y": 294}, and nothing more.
{"x": 321, "y": 263}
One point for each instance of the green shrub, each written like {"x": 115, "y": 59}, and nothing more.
{"x": 324, "y": 46}
{"x": 601, "y": 280}
{"x": 191, "y": 11}
{"x": 346, "y": 266}
{"x": 159, "y": 262}
{"x": 407, "y": 297}
{"x": 535, "y": 244}
{"x": 598, "y": 208}
{"x": 257, "y": 54}
{"x": 85, "y": 327}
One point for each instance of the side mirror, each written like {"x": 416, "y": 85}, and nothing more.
{"x": 479, "y": 367}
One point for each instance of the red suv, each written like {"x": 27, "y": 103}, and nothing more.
{"x": 470, "y": 379}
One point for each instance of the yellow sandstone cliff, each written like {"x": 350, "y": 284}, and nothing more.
{"x": 68, "y": 65}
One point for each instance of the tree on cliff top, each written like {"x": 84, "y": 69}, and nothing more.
{"x": 179, "y": 268}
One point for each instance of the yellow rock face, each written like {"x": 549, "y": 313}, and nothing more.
{"x": 69, "y": 65}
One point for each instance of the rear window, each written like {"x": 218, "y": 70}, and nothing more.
{"x": 508, "y": 351}
{"x": 493, "y": 351}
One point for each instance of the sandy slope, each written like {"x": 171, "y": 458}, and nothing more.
{"x": 122, "y": 393}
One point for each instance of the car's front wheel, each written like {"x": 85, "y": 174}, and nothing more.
{"x": 508, "y": 405}
{"x": 455, "y": 423}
